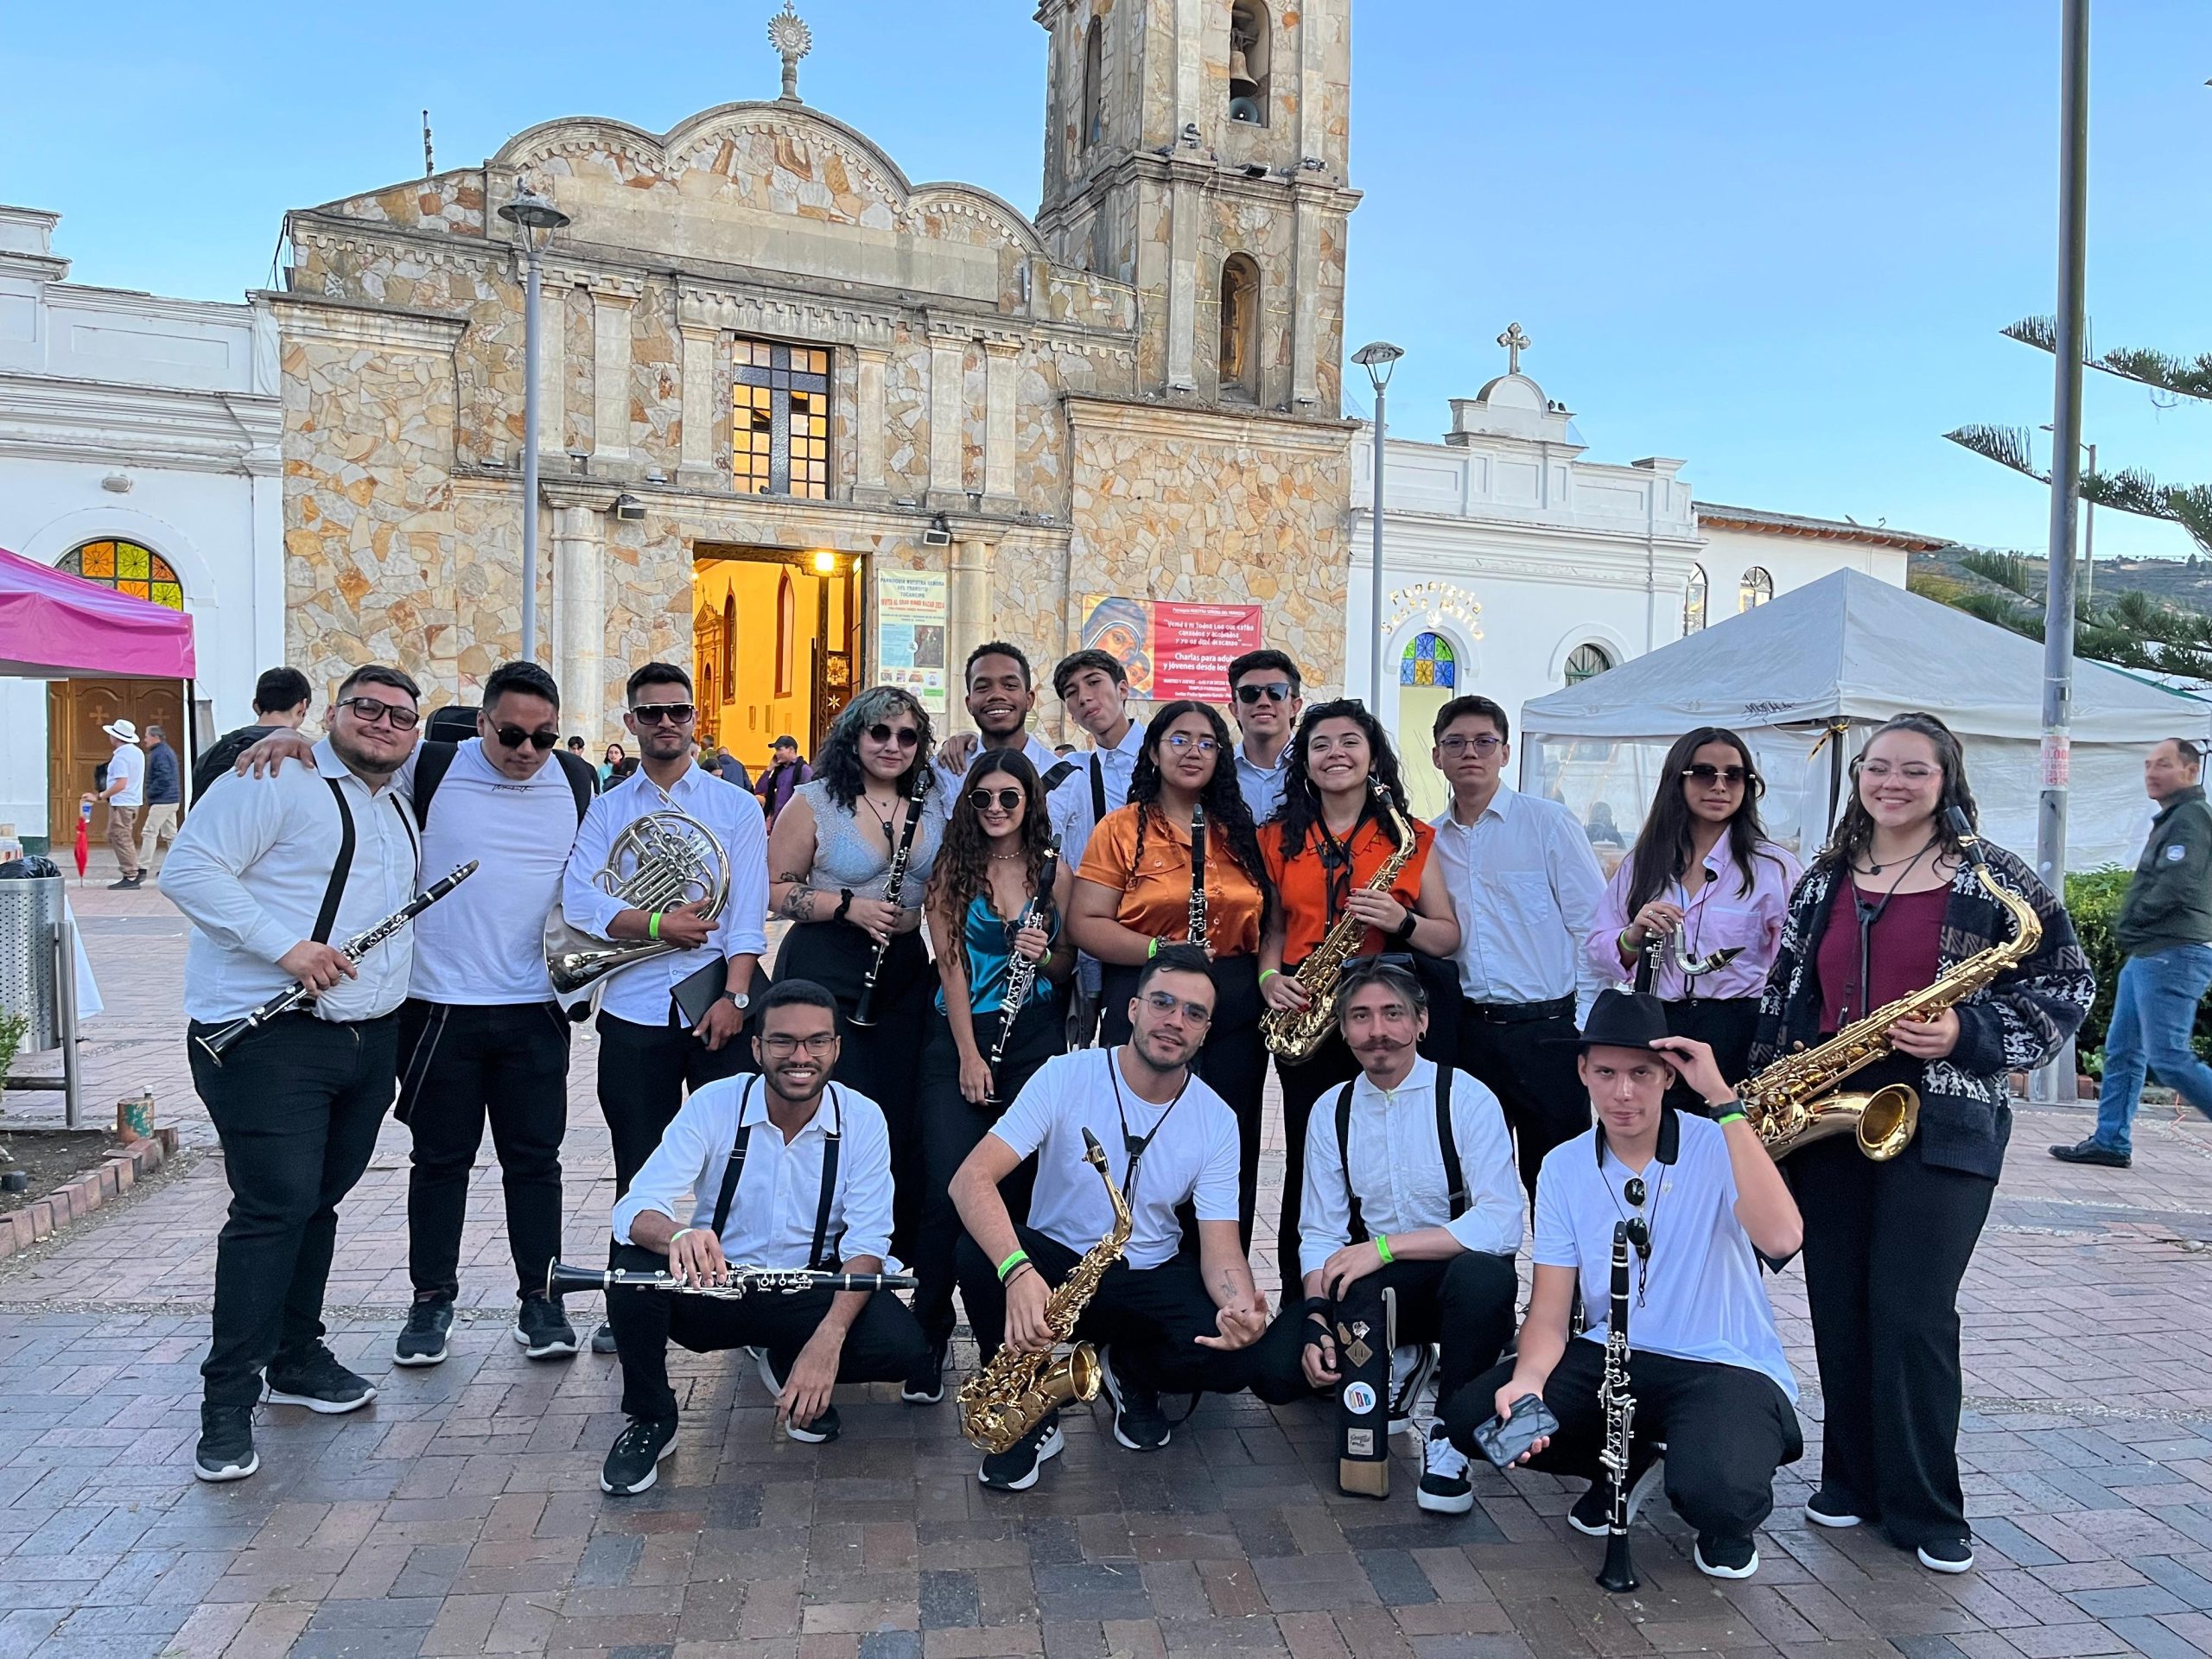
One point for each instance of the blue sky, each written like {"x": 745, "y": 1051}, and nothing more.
{"x": 1775, "y": 241}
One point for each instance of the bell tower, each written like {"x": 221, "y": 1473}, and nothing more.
{"x": 1196, "y": 150}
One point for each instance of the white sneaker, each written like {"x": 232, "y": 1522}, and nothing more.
{"x": 1444, "y": 1487}
{"x": 1412, "y": 1364}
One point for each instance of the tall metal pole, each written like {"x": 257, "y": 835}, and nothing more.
{"x": 2056, "y": 1082}
{"x": 1375, "y": 600}
{"x": 530, "y": 265}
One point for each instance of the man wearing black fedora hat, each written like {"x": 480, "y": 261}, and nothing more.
{"x": 1702, "y": 1201}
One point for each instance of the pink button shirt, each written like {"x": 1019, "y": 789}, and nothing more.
{"x": 1720, "y": 914}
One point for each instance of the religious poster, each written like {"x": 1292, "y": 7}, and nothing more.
{"x": 1172, "y": 650}
{"x": 910, "y": 607}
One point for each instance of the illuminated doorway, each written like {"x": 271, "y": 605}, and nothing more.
{"x": 776, "y": 642}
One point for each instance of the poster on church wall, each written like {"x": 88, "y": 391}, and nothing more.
{"x": 1172, "y": 650}
{"x": 909, "y": 610}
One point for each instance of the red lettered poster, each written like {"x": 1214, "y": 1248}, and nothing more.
{"x": 1193, "y": 645}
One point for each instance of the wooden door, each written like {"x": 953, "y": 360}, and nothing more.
{"x": 77, "y": 748}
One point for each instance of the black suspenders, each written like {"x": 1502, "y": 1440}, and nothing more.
{"x": 1455, "y": 1174}
{"x": 819, "y": 1257}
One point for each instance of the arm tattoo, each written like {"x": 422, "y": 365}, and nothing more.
{"x": 798, "y": 903}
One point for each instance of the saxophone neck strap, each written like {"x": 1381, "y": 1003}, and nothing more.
{"x": 1135, "y": 1146}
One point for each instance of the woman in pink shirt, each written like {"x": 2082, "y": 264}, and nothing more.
{"x": 1701, "y": 899}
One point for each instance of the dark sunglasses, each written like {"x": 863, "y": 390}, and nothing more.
{"x": 1734, "y": 777}
{"x": 676, "y": 714}
{"x": 1273, "y": 690}
{"x": 514, "y": 737}
{"x": 904, "y": 736}
{"x": 981, "y": 799}
{"x": 368, "y": 710}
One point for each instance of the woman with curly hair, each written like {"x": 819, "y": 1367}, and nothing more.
{"x": 1134, "y": 894}
{"x": 989, "y": 870}
{"x": 828, "y": 863}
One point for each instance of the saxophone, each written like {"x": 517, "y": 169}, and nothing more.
{"x": 1789, "y": 1103}
{"x": 1001, "y": 1403}
{"x": 1295, "y": 1036}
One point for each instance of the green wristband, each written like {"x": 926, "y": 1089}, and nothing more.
{"x": 652, "y": 926}
{"x": 1011, "y": 1264}
{"x": 1382, "y": 1247}
{"x": 1733, "y": 1115}
{"x": 1266, "y": 973}
{"x": 1151, "y": 949}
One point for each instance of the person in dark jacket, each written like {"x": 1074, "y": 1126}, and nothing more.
{"x": 164, "y": 793}
{"x": 281, "y": 697}
{"x": 1889, "y": 906}
{"x": 2165, "y": 928}
{"x": 785, "y": 773}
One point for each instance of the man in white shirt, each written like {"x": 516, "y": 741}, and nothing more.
{"x": 1175, "y": 1323}
{"x": 1702, "y": 1201}
{"x": 274, "y": 874}
{"x": 1526, "y": 886}
{"x": 125, "y": 793}
{"x": 1269, "y": 694}
{"x": 1094, "y": 689}
{"x": 1427, "y": 1207}
{"x": 784, "y": 1170}
{"x": 1000, "y": 693}
{"x": 651, "y": 1049}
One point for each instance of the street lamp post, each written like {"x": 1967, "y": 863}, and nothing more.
{"x": 1380, "y": 360}
{"x": 536, "y": 218}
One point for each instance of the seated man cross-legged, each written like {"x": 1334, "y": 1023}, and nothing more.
{"x": 782, "y": 1170}
{"x": 1702, "y": 1201}
{"x": 1173, "y": 1321}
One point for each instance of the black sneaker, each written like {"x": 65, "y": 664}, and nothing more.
{"x": 2093, "y": 1151}
{"x": 225, "y": 1451}
{"x": 319, "y": 1383}
{"x": 1726, "y": 1558}
{"x": 633, "y": 1461}
{"x": 924, "y": 1384}
{"x": 823, "y": 1429}
{"x": 1139, "y": 1423}
{"x": 1826, "y": 1509}
{"x": 602, "y": 1340}
{"x": 544, "y": 1330}
{"x": 1947, "y": 1556}
{"x": 1412, "y": 1364}
{"x": 423, "y": 1340}
{"x": 1592, "y": 1514}
{"x": 1444, "y": 1487}
{"x": 129, "y": 884}
{"x": 1015, "y": 1470}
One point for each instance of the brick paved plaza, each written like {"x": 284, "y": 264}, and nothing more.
{"x": 460, "y": 1513}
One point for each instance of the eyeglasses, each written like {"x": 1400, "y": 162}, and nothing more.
{"x": 882, "y": 732}
{"x": 1734, "y": 777}
{"x": 1007, "y": 799}
{"x": 1161, "y": 1002}
{"x": 1273, "y": 690}
{"x": 514, "y": 737}
{"x": 1913, "y": 772}
{"x": 1486, "y": 745}
{"x": 784, "y": 1045}
{"x": 676, "y": 714}
{"x": 368, "y": 710}
{"x": 1179, "y": 742}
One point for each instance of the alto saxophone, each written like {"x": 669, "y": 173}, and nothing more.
{"x": 1790, "y": 1104}
{"x": 1001, "y": 1404}
{"x": 1295, "y": 1036}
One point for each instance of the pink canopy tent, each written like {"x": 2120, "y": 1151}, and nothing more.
{"x": 53, "y": 625}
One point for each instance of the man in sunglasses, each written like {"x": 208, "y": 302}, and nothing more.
{"x": 1267, "y": 691}
{"x": 275, "y": 873}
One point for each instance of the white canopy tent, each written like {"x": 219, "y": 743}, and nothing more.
{"x": 1805, "y": 678}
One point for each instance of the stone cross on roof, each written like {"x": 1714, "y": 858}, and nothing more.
{"x": 789, "y": 34}
{"x": 1514, "y": 342}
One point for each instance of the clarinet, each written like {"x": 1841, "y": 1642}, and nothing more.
{"x": 894, "y": 889}
{"x": 1197, "y": 934}
{"x": 561, "y": 1279}
{"x": 1618, "y": 1573}
{"x": 354, "y": 950}
{"x": 1021, "y": 972}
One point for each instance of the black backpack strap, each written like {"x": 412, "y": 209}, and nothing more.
{"x": 1455, "y": 1173}
{"x": 1358, "y": 1231}
{"x": 583, "y": 782}
{"x": 430, "y": 768}
{"x": 326, "y": 918}
{"x": 735, "y": 1167}
{"x": 1097, "y": 788}
{"x": 1055, "y": 776}
{"x": 821, "y": 1257}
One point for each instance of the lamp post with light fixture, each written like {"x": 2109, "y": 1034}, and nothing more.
{"x": 536, "y": 220}
{"x": 1380, "y": 358}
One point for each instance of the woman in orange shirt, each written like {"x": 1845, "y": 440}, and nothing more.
{"x": 1331, "y": 837}
{"x": 1134, "y": 894}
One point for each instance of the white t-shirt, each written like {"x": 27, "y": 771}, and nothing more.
{"x": 1192, "y": 1156}
{"x": 128, "y": 763}
{"x": 484, "y": 943}
{"x": 1702, "y": 1295}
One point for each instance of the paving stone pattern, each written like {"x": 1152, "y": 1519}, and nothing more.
{"x": 460, "y": 1513}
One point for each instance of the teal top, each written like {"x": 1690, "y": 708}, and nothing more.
{"x": 990, "y": 940}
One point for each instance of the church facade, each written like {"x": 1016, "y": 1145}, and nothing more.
{"x": 806, "y": 423}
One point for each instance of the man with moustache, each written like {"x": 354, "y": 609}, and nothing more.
{"x": 784, "y": 1170}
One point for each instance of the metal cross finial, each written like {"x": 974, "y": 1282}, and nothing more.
{"x": 789, "y": 34}
{"x": 1514, "y": 342}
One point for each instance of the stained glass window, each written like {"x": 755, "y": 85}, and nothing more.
{"x": 1429, "y": 661}
{"x": 1586, "y": 663}
{"x": 779, "y": 420}
{"x": 127, "y": 568}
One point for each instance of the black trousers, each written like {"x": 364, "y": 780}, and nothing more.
{"x": 1726, "y": 1430}
{"x": 297, "y": 1106}
{"x": 1152, "y": 1317}
{"x": 1529, "y": 1065}
{"x": 951, "y": 1126}
{"x": 1886, "y": 1246}
{"x": 1726, "y": 1023}
{"x": 644, "y": 1073}
{"x": 460, "y": 1065}
{"x": 1464, "y": 1304}
{"x": 1232, "y": 1061}
{"x": 882, "y": 1346}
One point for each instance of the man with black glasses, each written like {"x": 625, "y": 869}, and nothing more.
{"x": 1267, "y": 691}
{"x": 275, "y": 873}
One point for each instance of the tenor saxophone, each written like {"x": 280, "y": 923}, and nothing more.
{"x": 1295, "y": 1036}
{"x": 1001, "y": 1404}
{"x": 1790, "y": 1103}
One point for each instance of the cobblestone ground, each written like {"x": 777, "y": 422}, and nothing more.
{"x": 460, "y": 1513}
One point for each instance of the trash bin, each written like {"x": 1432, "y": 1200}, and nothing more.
{"x": 30, "y": 914}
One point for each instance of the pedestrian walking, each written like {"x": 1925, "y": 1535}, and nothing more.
{"x": 164, "y": 796}
{"x": 124, "y": 793}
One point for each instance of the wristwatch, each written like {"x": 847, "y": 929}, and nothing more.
{"x": 740, "y": 1000}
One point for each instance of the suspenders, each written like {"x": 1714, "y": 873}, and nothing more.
{"x": 326, "y": 918}
{"x": 820, "y": 1256}
{"x": 1455, "y": 1174}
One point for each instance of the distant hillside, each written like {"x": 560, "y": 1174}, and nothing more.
{"x": 2184, "y": 582}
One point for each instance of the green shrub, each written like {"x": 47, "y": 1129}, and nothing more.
{"x": 13, "y": 1029}
{"x": 2093, "y": 898}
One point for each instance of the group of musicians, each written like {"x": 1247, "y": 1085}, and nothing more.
{"x": 1109, "y": 938}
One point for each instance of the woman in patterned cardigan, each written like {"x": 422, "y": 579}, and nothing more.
{"x": 1888, "y": 906}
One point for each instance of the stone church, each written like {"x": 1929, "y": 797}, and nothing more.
{"x": 806, "y": 423}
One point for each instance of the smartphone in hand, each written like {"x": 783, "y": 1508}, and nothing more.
{"x": 1504, "y": 1440}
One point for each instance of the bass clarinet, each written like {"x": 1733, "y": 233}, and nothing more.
{"x": 894, "y": 889}
{"x": 1196, "y": 933}
{"x": 354, "y": 950}
{"x": 1021, "y": 972}
{"x": 1618, "y": 1573}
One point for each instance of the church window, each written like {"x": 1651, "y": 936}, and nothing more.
{"x": 127, "y": 568}
{"x": 779, "y": 420}
{"x": 1240, "y": 326}
{"x": 1587, "y": 663}
{"x": 786, "y": 633}
{"x": 1094, "y": 83}
{"x": 1429, "y": 660}
{"x": 1693, "y": 601}
{"x": 1756, "y": 588}
{"x": 1249, "y": 45}
{"x": 729, "y": 646}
